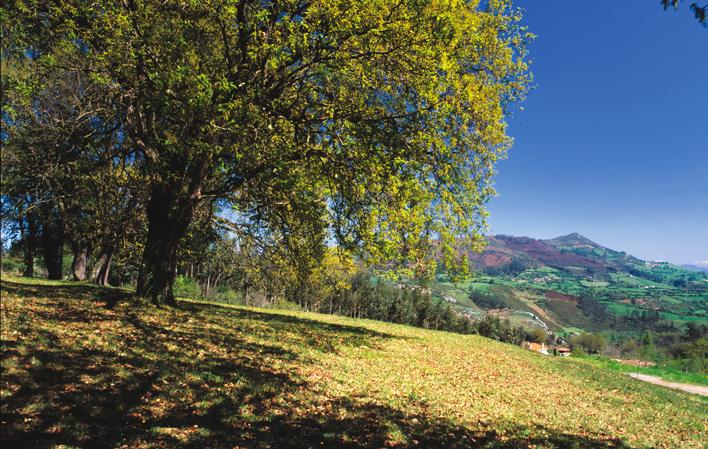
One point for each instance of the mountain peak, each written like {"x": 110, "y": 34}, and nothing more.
{"x": 574, "y": 238}
{"x": 573, "y": 235}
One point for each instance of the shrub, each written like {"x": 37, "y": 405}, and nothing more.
{"x": 284, "y": 304}
{"x": 487, "y": 300}
{"x": 11, "y": 265}
{"x": 187, "y": 287}
{"x": 537, "y": 335}
{"x": 226, "y": 295}
{"x": 590, "y": 343}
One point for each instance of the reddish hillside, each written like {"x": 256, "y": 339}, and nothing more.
{"x": 502, "y": 250}
{"x": 550, "y": 294}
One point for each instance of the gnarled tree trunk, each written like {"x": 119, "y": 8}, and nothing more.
{"x": 169, "y": 212}
{"x": 102, "y": 267}
{"x": 102, "y": 278}
{"x": 53, "y": 248}
{"x": 98, "y": 265}
{"x": 78, "y": 265}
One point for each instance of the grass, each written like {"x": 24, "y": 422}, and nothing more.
{"x": 664, "y": 371}
{"x": 91, "y": 367}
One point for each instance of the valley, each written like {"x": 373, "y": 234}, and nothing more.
{"x": 571, "y": 284}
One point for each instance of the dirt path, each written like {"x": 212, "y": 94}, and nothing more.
{"x": 689, "y": 388}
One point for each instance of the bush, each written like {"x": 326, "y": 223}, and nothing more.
{"x": 590, "y": 343}
{"x": 487, "y": 300}
{"x": 537, "y": 335}
{"x": 226, "y": 295}
{"x": 11, "y": 265}
{"x": 502, "y": 330}
{"x": 186, "y": 287}
{"x": 284, "y": 304}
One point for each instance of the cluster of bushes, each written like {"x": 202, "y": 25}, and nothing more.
{"x": 499, "y": 329}
{"x": 636, "y": 320}
{"x": 645, "y": 320}
{"x": 685, "y": 350}
{"x": 593, "y": 308}
{"x": 487, "y": 300}
{"x": 690, "y": 349}
{"x": 589, "y": 343}
{"x": 367, "y": 297}
{"x": 11, "y": 265}
{"x": 187, "y": 287}
{"x": 513, "y": 268}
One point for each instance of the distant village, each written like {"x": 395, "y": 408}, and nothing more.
{"x": 544, "y": 349}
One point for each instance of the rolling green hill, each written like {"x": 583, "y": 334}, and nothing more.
{"x": 84, "y": 366}
{"x": 571, "y": 283}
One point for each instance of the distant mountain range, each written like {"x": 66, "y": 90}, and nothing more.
{"x": 701, "y": 265}
{"x": 570, "y": 283}
{"x": 572, "y": 252}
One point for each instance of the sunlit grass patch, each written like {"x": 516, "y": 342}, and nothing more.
{"x": 88, "y": 370}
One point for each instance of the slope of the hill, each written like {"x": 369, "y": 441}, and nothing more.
{"x": 90, "y": 367}
{"x": 573, "y": 252}
{"x": 571, "y": 283}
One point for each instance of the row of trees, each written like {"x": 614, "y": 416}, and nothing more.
{"x": 338, "y": 285}
{"x": 66, "y": 180}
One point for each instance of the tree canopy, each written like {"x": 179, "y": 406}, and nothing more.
{"x": 372, "y": 124}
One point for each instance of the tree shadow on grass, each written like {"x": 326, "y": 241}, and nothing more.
{"x": 352, "y": 423}
{"x": 109, "y": 296}
{"x": 326, "y": 337}
{"x": 86, "y": 376}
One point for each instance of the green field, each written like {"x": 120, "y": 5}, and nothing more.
{"x": 623, "y": 293}
{"x": 90, "y": 367}
{"x": 666, "y": 371}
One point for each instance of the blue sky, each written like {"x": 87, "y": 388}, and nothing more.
{"x": 613, "y": 141}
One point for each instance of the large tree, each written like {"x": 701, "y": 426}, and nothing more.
{"x": 375, "y": 121}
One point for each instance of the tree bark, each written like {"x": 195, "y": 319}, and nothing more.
{"x": 102, "y": 278}
{"x": 28, "y": 229}
{"x": 53, "y": 248}
{"x": 98, "y": 265}
{"x": 169, "y": 212}
{"x": 78, "y": 265}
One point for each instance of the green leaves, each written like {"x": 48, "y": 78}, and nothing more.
{"x": 386, "y": 118}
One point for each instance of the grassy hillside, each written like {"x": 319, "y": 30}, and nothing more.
{"x": 89, "y": 367}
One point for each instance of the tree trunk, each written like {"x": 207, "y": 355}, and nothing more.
{"x": 98, "y": 265}
{"x": 169, "y": 213}
{"x": 28, "y": 230}
{"x": 78, "y": 265}
{"x": 102, "y": 278}
{"x": 53, "y": 249}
